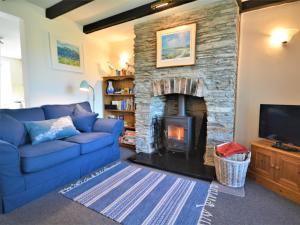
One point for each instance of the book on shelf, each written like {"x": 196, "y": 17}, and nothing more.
{"x": 129, "y": 137}
{"x": 124, "y": 104}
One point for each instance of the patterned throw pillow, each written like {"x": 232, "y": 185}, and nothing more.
{"x": 48, "y": 130}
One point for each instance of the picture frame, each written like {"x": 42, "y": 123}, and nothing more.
{"x": 66, "y": 54}
{"x": 176, "y": 46}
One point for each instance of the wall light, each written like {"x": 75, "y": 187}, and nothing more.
{"x": 124, "y": 57}
{"x": 282, "y": 36}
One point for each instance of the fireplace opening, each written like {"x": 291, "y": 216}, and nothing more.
{"x": 179, "y": 134}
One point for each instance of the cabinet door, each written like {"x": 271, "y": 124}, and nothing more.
{"x": 287, "y": 171}
{"x": 263, "y": 162}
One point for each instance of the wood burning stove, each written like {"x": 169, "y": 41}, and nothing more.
{"x": 179, "y": 133}
{"x": 178, "y": 130}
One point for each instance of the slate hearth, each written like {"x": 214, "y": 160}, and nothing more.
{"x": 176, "y": 163}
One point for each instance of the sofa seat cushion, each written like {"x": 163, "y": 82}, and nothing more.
{"x": 42, "y": 156}
{"x": 90, "y": 142}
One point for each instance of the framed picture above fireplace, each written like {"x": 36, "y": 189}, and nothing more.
{"x": 176, "y": 46}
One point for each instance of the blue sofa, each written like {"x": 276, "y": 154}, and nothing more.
{"x": 30, "y": 171}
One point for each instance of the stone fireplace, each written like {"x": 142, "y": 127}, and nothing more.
{"x": 211, "y": 81}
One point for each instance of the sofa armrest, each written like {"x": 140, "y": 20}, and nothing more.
{"x": 112, "y": 126}
{"x": 11, "y": 179}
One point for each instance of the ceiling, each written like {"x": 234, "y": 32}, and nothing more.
{"x": 44, "y": 3}
{"x": 100, "y": 9}
{"x": 10, "y": 32}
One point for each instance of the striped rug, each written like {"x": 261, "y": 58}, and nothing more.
{"x": 133, "y": 195}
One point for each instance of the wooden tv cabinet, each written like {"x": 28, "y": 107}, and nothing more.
{"x": 276, "y": 169}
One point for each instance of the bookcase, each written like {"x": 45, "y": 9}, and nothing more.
{"x": 121, "y": 105}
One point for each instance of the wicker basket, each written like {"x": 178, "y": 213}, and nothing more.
{"x": 230, "y": 172}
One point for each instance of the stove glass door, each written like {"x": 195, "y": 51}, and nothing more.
{"x": 175, "y": 133}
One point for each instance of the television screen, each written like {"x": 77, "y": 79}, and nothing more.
{"x": 280, "y": 123}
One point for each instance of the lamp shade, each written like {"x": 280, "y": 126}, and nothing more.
{"x": 84, "y": 86}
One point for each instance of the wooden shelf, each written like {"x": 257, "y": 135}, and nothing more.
{"x": 121, "y": 111}
{"x": 129, "y": 127}
{"x": 129, "y": 95}
{"x": 118, "y": 77}
{"x": 127, "y": 145}
{"x": 121, "y": 83}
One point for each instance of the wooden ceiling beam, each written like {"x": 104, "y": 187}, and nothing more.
{"x": 129, "y": 15}
{"x": 239, "y": 2}
{"x": 251, "y": 5}
{"x": 63, "y": 7}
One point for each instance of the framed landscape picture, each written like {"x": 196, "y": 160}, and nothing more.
{"x": 66, "y": 55}
{"x": 176, "y": 46}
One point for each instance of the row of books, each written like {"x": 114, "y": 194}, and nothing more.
{"x": 124, "y": 104}
{"x": 129, "y": 137}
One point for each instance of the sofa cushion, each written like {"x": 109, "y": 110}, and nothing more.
{"x": 84, "y": 105}
{"x": 42, "y": 156}
{"x": 84, "y": 123}
{"x": 83, "y": 119}
{"x": 80, "y": 111}
{"x": 56, "y": 111}
{"x": 30, "y": 114}
{"x": 90, "y": 142}
{"x": 48, "y": 130}
{"x": 11, "y": 130}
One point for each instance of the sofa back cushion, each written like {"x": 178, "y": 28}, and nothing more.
{"x": 22, "y": 115}
{"x": 29, "y": 114}
{"x": 85, "y": 105}
{"x": 57, "y": 111}
{"x": 11, "y": 130}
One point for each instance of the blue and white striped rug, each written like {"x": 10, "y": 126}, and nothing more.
{"x": 133, "y": 195}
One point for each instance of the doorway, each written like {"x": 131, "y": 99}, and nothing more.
{"x": 11, "y": 63}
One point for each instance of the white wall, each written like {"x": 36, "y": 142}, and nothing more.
{"x": 119, "y": 48}
{"x": 43, "y": 84}
{"x": 266, "y": 74}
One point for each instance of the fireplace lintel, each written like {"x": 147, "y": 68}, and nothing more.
{"x": 186, "y": 86}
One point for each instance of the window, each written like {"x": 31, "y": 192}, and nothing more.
{"x": 6, "y": 98}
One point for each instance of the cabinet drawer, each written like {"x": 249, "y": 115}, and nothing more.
{"x": 287, "y": 171}
{"x": 262, "y": 162}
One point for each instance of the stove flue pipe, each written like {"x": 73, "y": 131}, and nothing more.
{"x": 181, "y": 105}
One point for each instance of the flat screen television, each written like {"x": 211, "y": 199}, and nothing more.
{"x": 280, "y": 123}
